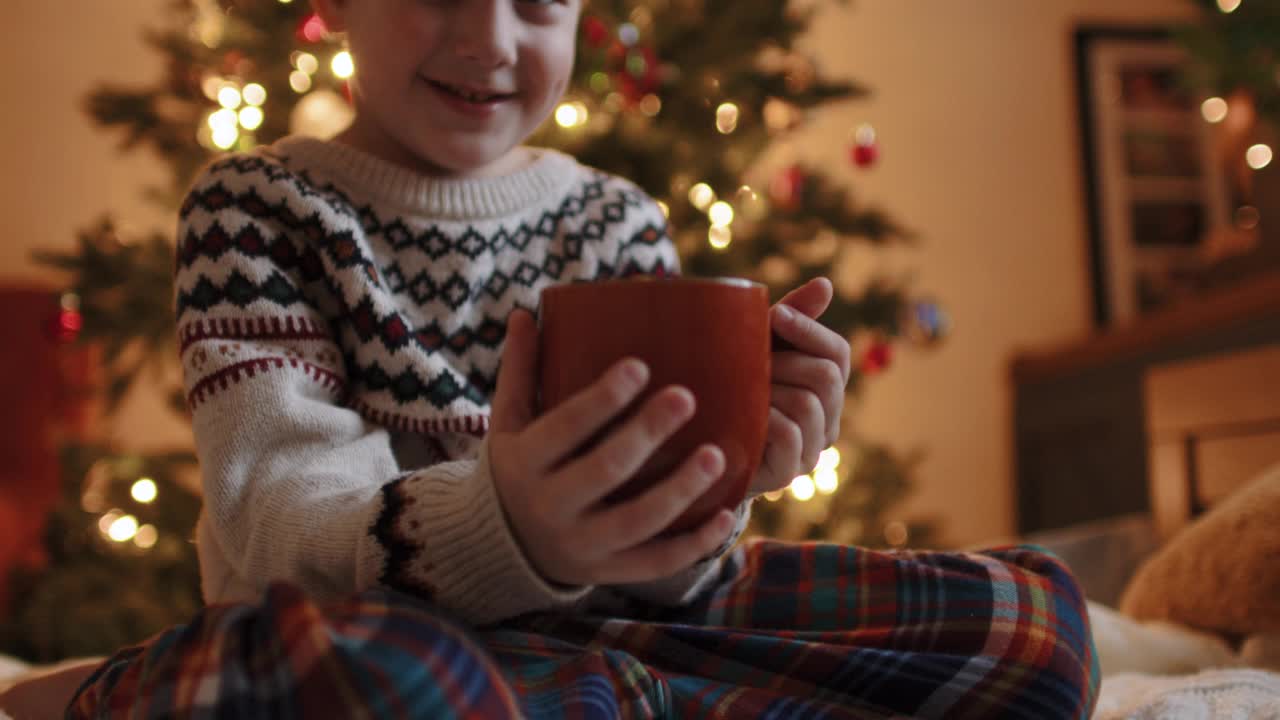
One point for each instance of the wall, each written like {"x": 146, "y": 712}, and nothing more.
{"x": 975, "y": 108}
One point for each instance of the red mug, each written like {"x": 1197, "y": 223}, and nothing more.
{"x": 711, "y": 336}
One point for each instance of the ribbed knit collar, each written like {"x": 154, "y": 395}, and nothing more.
{"x": 386, "y": 183}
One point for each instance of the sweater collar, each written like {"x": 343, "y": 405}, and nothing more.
{"x": 385, "y": 183}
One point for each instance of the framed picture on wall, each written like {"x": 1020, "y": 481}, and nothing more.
{"x": 1155, "y": 190}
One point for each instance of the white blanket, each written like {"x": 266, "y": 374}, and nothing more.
{"x": 1235, "y": 694}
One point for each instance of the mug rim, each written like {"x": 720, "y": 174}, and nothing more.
{"x": 716, "y": 280}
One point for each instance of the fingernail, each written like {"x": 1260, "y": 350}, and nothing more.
{"x": 634, "y": 371}
{"x": 711, "y": 461}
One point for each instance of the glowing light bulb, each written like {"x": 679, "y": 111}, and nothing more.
{"x": 306, "y": 62}
{"x": 826, "y": 481}
{"x": 299, "y": 81}
{"x": 802, "y": 488}
{"x": 721, "y": 214}
{"x": 123, "y": 529}
{"x": 343, "y": 65}
{"x": 829, "y": 459}
{"x": 146, "y": 537}
{"x": 251, "y": 117}
{"x": 719, "y": 237}
{"x": 1228, "y": 6}
{"x": 727, "y": 118}
{"x": 254, "y": 94}
{"x": 1259, "y": 156}
{"x": 701, "y": 195}
{"x": 229, "y": 96}
{"x": 1214, "y": 109}
{"x": 144, "y": 490}
{"x": 225, "y": 138}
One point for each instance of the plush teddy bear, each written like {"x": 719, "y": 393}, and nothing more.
{"x": 1221, "y": 573}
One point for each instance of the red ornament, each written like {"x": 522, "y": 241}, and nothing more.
{"x": 877, "y": 357}
{"x": 864, "y": 156}
{"x": 787, "y": 188}
{"x": 595, "y": 31}
{"x": 65, "y": 325}
{"x": 312, "y": 29}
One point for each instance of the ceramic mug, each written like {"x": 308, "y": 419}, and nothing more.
{"x": 711, "y": 336}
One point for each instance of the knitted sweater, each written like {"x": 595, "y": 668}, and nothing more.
{"x": 340, "y": 322}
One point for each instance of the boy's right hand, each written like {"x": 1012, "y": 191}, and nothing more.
{"x": 553, "y": 498}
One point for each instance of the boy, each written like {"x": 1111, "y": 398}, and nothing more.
{"x": 342, "y": 310}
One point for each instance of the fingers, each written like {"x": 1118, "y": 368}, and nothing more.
{"x": 605, "y": 468}
{"x": 633, "y": 522}
{"x": 666, "y": 556}
{"x": 783, "y": 449}
{"x": 560, "y": 432}
{"x": 513, "y": 397}
{"x": 818, "y": 376}
{"x": 810, "y": 337}
{"x": 812, "y": 298}
{"x": 802, "y": 409}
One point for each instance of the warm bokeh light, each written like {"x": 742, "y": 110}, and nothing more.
{"x": 254, "y": 94}
{"x": 343, "y": 65}
{"x": 251, "y": 117}
{"x": 299, "y": 81}
{"x": 306, "y": 62}
{"x": 1214, "y": 109}
{"x": 651, "y": 105}
{"x": 721, "y": 214}
{"x": 1228, "y": 6}
{"x": 146, "y": 537}
{"x": 1259, "y": 156}
{"x": 144, "y": 490}
{"x": 572, "y": 114}
{"x": 701, "y": 195}
{"x": 727, "y": 118}
{"x": 123, "y": 529}
{"x": 802, "y": 488}
{"x": 719, "y": 237}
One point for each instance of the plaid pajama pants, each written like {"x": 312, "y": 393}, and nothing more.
{"x": 790, "y": 631}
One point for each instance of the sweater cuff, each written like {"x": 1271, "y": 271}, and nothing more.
{"x": 463, "y": 553}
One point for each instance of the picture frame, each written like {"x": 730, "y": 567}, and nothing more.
{"x": 1154, "y": 188}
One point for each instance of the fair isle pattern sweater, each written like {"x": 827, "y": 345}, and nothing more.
{"x": 340, "y": 323}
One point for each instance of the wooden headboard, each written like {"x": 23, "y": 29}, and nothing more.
{"x": 1212, "y": 424}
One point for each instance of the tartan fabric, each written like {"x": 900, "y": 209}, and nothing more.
{"x": 789, "y": 631}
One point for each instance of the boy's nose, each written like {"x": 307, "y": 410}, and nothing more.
{"x": 486, "y": 32}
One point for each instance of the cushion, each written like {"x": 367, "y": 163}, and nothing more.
{"x": 1221, "y": 573}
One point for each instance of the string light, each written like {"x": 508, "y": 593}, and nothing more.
{"x": 146, "y": 537}
{"x": 665, "y": 208}
{"x": 572, "y": 114}
{"x": 144, "y": 490}
{"x": 343, "y": 65}
{"x": 1214, "y": 109}
{"x": 229, "y": 96}
{"x": 306, "y": 62}
{"x": 211, "y": 85}
{"x": 254, "y": 94}
{"x": 719, "y": 237}
{"x": 299, "y": 81}
{"x": 803, "y": 488}
{"x": 123, "y": 529}
{"x": 774, "y": 495}
{"x": 721, "y": 214}
{"x": 727, "y": 118}
{"x": 701, "y": 196}
{"x": 1228, "y": 6}
{"x": 895, "y": 533}
{"x": 251, "y": 117}
{"x": 1259, "y": 156}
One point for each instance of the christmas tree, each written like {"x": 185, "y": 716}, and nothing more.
{"x": 685, "y": 97}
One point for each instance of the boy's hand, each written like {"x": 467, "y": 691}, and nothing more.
{"x": 810, "y": 373}
{"x": 552, "y": 495}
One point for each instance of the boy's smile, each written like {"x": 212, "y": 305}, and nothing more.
{"x": 453, "y": 87}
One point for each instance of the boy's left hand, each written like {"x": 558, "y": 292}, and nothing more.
{"x": 810, "y": 373}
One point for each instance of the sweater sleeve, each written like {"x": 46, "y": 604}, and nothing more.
{"x": 298, "y": 486}
{"x": 645, "y": 248}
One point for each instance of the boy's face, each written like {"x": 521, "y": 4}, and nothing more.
{"x": 452, "y": 86}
